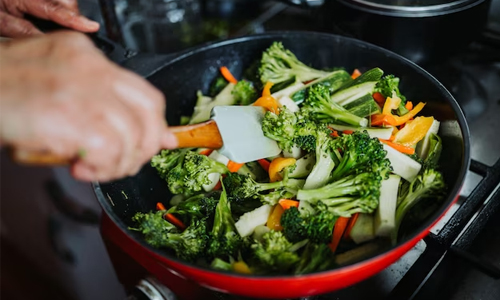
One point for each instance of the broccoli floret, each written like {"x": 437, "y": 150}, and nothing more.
{"x": 244, "y": 187}
{"x": 315, "y": 258}
{"x": 279, "y": 64}
{"x": 428, "y": 184}
{"x": 324, "y": 165}
{"x": 188, "y": 244}
{"x": 360, "y": 152}
{"x": 166, "y": 160}
{"x": 219, "y": 264}
{"x": 317, "y": 227}
{"x": 349, "y": 195}
{"x": 306, "y": 132}
{"x": 198, "y": 167}
{"x": 280, "y": 127}
{"x": 275, "y": 252}
{"x": 198, "y": 206}
{"x": 217, "y": 86}
{"x": 273, "y": 197}
{"x": 318, "y": 104}
{"x": 153, "y": 227}
{"x": 225, "y": 240}
{"x": 389, "y": 84}
{"x": 244, "y": 93}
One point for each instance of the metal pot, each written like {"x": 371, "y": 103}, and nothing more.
{"x": 179, "y": 77}
{"x": 423, "y": 31}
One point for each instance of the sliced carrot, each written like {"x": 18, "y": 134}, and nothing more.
{"x": 173, "y": 219}
{"x": 160, "y": 206}
{"x": 227, "y": 75}
{"x": 355, "y": 74}
{"x": 277, "y": 165}
{"x": 274, "y": 219}
{"x": 264, "y": 163}
{"x": 338, "y": 232}
{"x": 382, "y": 119}
{"x": 350, "y": 225}
{"x": 206, "y": 152}
{"x": 347, "y": 132}
{"x": 409, "y": 105}
{"x": 334, "y": 133}
{"x": 287, "y": 203}
{"x": 234, "y": 166}
{"x": 399, "y": 147}
{"x": 218, "y": 186}
{"x": 379, "y": 98}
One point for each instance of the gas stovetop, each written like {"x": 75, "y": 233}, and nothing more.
{"x": 460, "y": 258}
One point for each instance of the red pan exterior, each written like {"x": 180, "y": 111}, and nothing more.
{"x": 193, "y": 68}
{"x": 169, "y": 271}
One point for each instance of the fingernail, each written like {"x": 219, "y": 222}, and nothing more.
{"x": 91, "y": 25}
{"x": 169, "y": 140}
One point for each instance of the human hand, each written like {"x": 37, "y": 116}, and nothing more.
{"x": 61, "y": 96}
{"x": 63, "y": 12}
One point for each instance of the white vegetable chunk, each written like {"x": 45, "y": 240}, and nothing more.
{"x": 402, "y": 165}
{"x": 423, "y": 145}
{"x": 214, "y": 178}
{"x": 362, "y": 230}
{"x": 215, "y": 155}
{"x": 385, "y": 215}
{"x": 250, "y": 220}
{"x": 295, "y": 152}
{"x": 287, "y": 91}
{"x": 289, "y": 103}
{"x": 374, "y": 132}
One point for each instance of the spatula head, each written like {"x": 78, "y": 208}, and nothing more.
{"x": 241, "y": 131}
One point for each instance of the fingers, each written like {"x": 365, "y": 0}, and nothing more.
{"x": 14, "y": 27}
{"x": 60, "y": 13}
{"x": 149, "y": 106}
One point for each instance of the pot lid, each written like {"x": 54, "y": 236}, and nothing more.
{"x": 412, "y": 8}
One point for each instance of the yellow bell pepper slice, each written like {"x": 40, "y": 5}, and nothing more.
{"x": 241, "y": 267}
{"x": 274, "y": 219}
{"x": 413, "y": 131}
{"x": 277, "y": 165}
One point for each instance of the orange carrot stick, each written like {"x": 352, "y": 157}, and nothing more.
{"x": 347, "y": 131}
{"x": 173, "y": 219}
{"x": 234, "y": 166}
{"x": 264, "y": 163}
{"x": 399, "y": 147}
{"x": 206, "y": 152}
{"x": 227, "y": 75}
{"x": 160, "y": 206}
{"x": 338, "y": 232}
{"x": 287, "y": 203}
{"x": 409, "y": 105}
{"x": 382, "y": 119}
{"x": 379, "y": 98}
{"x": 350, "y": 225}
{"x": 334, "y": 133}
{"x": 355, "y": 74}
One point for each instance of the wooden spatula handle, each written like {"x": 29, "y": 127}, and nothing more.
{"x": 203, "y": 135}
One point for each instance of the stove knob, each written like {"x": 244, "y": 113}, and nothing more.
{"x": 151, "y": 289}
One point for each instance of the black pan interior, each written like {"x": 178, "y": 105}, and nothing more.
{"x": 181, "y": 78}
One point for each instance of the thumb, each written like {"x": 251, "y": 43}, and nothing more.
{"x": 169, "y": 140}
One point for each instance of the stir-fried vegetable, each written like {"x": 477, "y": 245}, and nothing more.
{"x": 357, "y": 158}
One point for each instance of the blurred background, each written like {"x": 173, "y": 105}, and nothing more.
{"x": 51, "y": 247}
